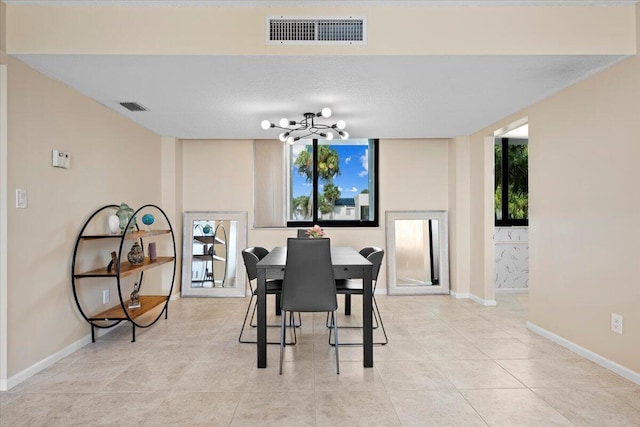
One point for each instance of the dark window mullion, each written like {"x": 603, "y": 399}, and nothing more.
{"x": 505, "y": 179}
{"x": 315, "y": 182}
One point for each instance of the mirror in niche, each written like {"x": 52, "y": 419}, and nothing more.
{"x": 418, "y": 252}
{"x": 211, "y": 260}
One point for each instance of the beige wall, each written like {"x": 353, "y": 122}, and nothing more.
{"x": 584, "y": 233}
{"x": 392, "y": 30}
{"x": 459, "y": 214}
{"x": 113, "y": 160}
{"x": 217, "y": 176}
{"x": 584, "y": 204}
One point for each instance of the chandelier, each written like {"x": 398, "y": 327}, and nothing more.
{"x": 308, "y": 126}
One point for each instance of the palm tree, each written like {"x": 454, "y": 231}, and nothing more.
{"x": 328, "y": 168}
{"x": 331, "y": 194}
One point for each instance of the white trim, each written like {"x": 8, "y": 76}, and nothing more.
{"x": 460, "y": 295}
{"x": 174, "y": 297}
{"x": 485, "y": 302}
{"x": 587, "y": 354}
{"x": 4, "y": 175}
{"x": 511, "y": 290}
{"x": 27, "y": 373}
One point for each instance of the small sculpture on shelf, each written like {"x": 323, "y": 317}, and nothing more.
{"x": 135, "y": 297}
{"x": 135, "y": 255}
{"x": 114, "y": 262}
{"x": 147, "y": 220}
{"x": 124, "y": 214}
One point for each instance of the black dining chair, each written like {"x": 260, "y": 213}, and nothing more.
{"x": 251, "y": 257}
{"x": 348, "y": 287}
{"x": 302, "y": 233}
{"x": 309, "y": 284}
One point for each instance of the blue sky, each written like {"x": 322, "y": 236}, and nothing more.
{"x": 353, "y": 169}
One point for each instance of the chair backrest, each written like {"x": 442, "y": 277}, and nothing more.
{"x": 309, "y": 284}
{"x": 366, "y": 251}
{"x": 302, "y": 233}
{"x": 251, "y": 256}
{"x": 375, "y": 258}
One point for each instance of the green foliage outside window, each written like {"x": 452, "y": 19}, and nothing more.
{"x": 517, "y": 179}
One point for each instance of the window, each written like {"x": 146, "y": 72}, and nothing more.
{"x": 333, "y": 183}
{"x": 511, "y": 181}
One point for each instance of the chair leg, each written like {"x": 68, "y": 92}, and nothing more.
{"x": 254, "y": 325}
{"x": 283, "y": 325}
{"x": 329, "y": 326}
{"x": 335, "y": 331}
{"x": 378, "y": 320}
{"x": 244, "y": 323}
{"x": 377, "y": 310}
{"x": 255, "y": 307}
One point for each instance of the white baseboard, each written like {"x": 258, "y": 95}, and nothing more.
{"x": 511, "y": 290}
{"x": 587, "y": 354}
{"x": 27, "y": 373}
{"x": 485, "y": 302}
{"x": 460, "y": 295}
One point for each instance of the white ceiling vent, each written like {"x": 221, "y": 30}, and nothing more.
{"x": 326, "y": 30}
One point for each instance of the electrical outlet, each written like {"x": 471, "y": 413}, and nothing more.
{"x": 616, "y": 323}
{"x": 105, "y": 296}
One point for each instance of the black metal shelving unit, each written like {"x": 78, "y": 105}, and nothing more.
{"x": 117, "y": 313}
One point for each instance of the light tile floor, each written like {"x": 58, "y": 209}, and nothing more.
{"x": 448, "y": 363}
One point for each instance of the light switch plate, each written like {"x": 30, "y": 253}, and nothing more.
{"x": 21, "y": 198}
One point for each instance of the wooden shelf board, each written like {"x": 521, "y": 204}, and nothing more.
{"x": 208, "y": 257}
{"x": 208, "y": 239}
{"x": 147, "y": 303}
{"x": 126, "y": 269}
{"x": 129, "y": 236}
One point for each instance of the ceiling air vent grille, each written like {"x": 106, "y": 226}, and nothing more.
{"x": 317, "y": 31}
{"x": 134, "y": 106}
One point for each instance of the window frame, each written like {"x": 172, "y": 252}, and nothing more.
{"x": 339, "y": 223}
{"x": 505, "y": 221}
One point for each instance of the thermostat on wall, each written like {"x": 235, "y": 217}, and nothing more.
{"x": 60, "y": 159}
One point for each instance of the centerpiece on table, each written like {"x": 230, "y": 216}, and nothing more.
{"x": 315, "y": 231}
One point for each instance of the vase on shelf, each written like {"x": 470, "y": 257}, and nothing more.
{"x": 135, "y": 255}
{"x": 114, "y": 224}
{"x": 124, "y": 214}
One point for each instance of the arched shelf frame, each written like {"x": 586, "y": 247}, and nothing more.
{"x": 226, "y": 248}
{"x": 116, "y": 314}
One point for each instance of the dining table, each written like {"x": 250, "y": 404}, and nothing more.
{"x": 347, "y": 263}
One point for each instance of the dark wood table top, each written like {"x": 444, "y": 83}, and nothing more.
{"x": 341, "y": 256}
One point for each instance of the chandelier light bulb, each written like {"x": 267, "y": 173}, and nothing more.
{"x": 326, "y": 112}
{"x": 266, "y": 124}
{"x": 291, "y": 140}
{"x": 344, "y": 135}
{"x": 329, "y": 136}
{"x": 283, "y": 136}
{"x": 284, "y": 122}
{"x": 341, "y": 124}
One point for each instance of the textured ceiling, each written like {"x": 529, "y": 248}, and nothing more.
{"x": 378, "y": 96}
